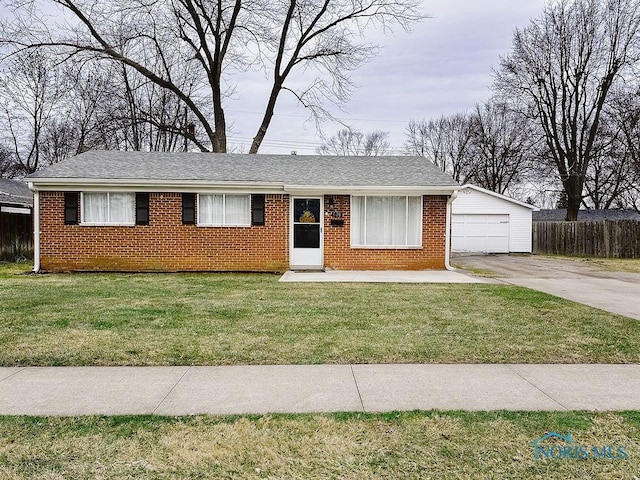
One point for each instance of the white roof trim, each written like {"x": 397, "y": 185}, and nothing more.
{"x": 377, "y": 189}
{"x": 501, "y": 197}
{"x": 164, "y": 186}
{"x": 179, "y": 186}
{"x": 18, "y": 210}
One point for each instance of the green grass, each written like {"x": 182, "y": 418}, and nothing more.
{"x": 478, "y": 272}
{"x": 224, "y": 319}
{"x": 429, "y": 445}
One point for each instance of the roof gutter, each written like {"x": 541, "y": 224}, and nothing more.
{"x": 180, "y": 186}
{"x": 177, "y": 186}
{"x": 447, "y": 241}
{"x": 370, "y": 189}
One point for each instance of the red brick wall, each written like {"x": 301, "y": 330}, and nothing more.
{"x": 165, "y": 244}
{"x": 339, "y": 255}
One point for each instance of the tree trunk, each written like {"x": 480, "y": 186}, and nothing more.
{"x": 573, "y": 205}
{"x": 268, "y": 116}
{"x": 573, "y": 186}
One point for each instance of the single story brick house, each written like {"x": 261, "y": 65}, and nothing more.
{"x": 141, "y": 211}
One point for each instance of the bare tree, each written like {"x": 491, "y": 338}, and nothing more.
{"x": 219, "y": 42}
{"x": 7, "y": 164}
{"x": 446, "y": 142}
{"x": 503, "y": 146}
{"x": 30, "y": 91}
{"x": 608, "y": 173}
{"x": 562, "y": 68}
{"x": 92, "y": 105}
{"x": 614, "y": 178}
{"x": 353, "y": 142}
{"x": 152, "y": 118}
{"x": 606, "y": 182}
{"x": 377, "y": 143}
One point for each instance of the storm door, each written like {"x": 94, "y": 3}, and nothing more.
{"x": 306, "y": 233}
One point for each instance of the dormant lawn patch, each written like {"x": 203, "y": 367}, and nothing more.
{"x": 227, "y": 319}
{"x": 346, "y": 446}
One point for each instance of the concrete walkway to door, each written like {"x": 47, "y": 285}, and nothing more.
{"x": 577, "y": 280}
{"x": 388, "y": 276}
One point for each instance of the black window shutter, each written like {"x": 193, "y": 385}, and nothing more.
{"x": 257, "y": 209}
{"x": 71, "y": 208}
{"x": 142, "y": 209}
{"x": 188, "y": 208}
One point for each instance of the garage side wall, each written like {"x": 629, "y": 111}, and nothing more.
{"x": 474, "y": 202}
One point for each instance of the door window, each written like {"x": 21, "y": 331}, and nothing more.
{"x": 306, "y": 223}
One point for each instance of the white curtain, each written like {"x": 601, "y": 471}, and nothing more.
{"x": 224, "y": 210}
{"x": 210, "y": 209}
{"x": 414, "y": 226}
{"x": 109, "y": 208}
{"x": 95, "y": 207}
{"x": 122, "y": 208}
{"x": 386, "y": 221}
{"x": 357, "y": 220}
{"x": 237, "y": 210}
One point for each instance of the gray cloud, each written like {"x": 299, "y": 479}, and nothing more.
{"x": 441, "y": 67}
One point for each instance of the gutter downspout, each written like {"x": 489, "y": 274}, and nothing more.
{"x": 447, "y": 242}
{"x": 36, "y": 229}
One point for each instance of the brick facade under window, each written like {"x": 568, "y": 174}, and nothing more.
{"x": 166, "y": 244}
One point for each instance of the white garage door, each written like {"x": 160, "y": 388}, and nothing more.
{"x": 480, "y": 233}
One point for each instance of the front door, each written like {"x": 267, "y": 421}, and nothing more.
{"x": 306, "y": 233}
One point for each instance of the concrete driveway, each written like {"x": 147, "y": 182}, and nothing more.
{"x": 577, "y": 280}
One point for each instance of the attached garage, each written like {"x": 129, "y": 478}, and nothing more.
{"x": 485, "y": 221}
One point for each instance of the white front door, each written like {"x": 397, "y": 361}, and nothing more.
{"x": 306, "y": 233}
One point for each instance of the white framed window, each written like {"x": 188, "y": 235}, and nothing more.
{"x": 108, "y": 208}
{"x": 386, "y": 222}
{"x": 224, "y": 210}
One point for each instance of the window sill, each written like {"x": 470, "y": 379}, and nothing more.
{"x": 208, "y": 225}
{"x": 86, "y": 224}
{"x": 386, "y": 247}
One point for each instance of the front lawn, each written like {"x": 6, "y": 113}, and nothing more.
{"x": 429, "y": 445}
{"x": 225, "y": 319}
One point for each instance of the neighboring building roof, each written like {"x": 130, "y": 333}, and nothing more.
{"x": 15, "y": 192}
{"x": 153, "y": 168}
{"x": 559, "y": 214}
{"x": 502, "y": 197}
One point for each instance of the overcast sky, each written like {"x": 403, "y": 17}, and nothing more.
{"x": 443, "y": 66}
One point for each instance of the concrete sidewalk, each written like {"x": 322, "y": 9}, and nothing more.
{"x": 71, "y": 391}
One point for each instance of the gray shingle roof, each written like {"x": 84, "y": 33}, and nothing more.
{"x": 307, "y": 170}
{"x": 15, "y": 192}
{"x": 559, "y": 214}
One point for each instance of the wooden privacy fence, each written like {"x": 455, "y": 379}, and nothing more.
{"x": 602, "y": 238}
{"x": 16, "y": 238}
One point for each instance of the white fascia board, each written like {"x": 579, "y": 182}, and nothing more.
{"x": 501, "y": 197}
{"x": 203, "y": 186}
{"x": 369, "y": 190}
{"x": 161, "y": 186}
{"x": 16, "y": 210}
